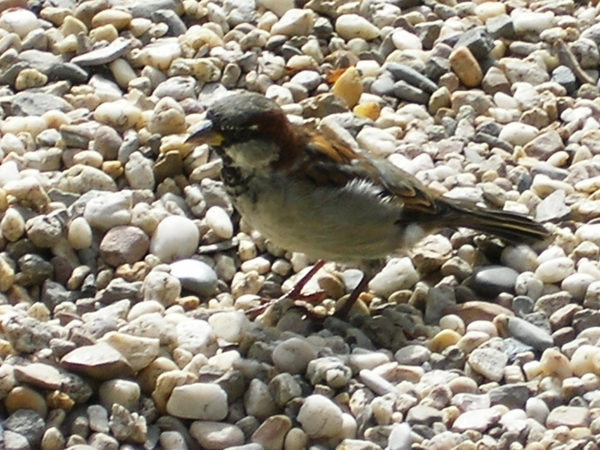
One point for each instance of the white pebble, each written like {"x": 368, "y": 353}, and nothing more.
{"x": 488, "y": 10}
{"x": 522, "y": 258}
{"x": 589, "y": 232}
{"x": 139, "y": 173}
{"x": 80, "y": 233}
{"x": 586, "y": 359}
{"x": 577, "y": 284}
{"x": 528, "y": 21}
{"x": 220, "y": 222}
{"x": 555, "y": 270}
{"x": 378, "y": 141}
{"x": 109, "y": 210}
{"x": 537, "y": 409}
{"x": 260, "y": 264}
{"x": 398, "y": 274}
{"x": 279, "y": 7}
{"x": 9, "y": 171}
{"x": 320, "y": 417}
{"x": 12, "y": 225}
{"x": 175, "y": 237}
{"x": 229, "y": 325}
{"x": 350, "y": 26}
{"x": 452, "y": 322}
{"x": 202, "y": 401}
{"x": 18, "y": 20}
{"x": 518, "y": 133}
{"x": 123, "y": 392}
{"x": 295, "y": 22}
{"x": 404, "y": 40}
{"x": 119, "y": 114}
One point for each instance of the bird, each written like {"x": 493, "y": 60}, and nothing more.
{"x": 309, "y": 193}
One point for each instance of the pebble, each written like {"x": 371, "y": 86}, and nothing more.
{"x": 293, "y": 355}
{"x": 491, "y": 281}
{"x": 210, "y": 402}
{"x": 175, "y": 237}
{"x": 124, "y": 245}
{"x": 479, "y": 420}
{"x": 215, "y": 435}
{"x": 488, "y": 362}
{"x": 320, "y": 417}
{"x": 350, "y": 26}
{"x": 229, "y": 326}
{"x": 80, "y": 233}
{"x": 100, "y": 361}
{"x": 555, "y": 270}
{"x": 218, "y": 220}
{"x": 466, "y": 67}
{"x": 195, "y": 276}
{"x": 398, "y": 274}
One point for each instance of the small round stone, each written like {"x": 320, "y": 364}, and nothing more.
{"x": 80, "y": 233}
{"x": 175, "y": 237}
{"x": 216, "y": 435}
{"x": 350, "y": 26}
{"x": 229, "y": 326}
{"x": 210, "y": 402}
{"x": 195, "y": 276}
{"x": 320, "y": 417}
{"x": 12, "y": 225}
{"x": 555, "y": 270}
{"x": 293, "y": 355}
{"x": 123, "y": 392}
{"x": 219, "y": 221}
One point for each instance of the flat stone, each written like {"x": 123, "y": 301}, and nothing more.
{"x": 39, "y": 374}
{"x": 104, "y": 55}
{"x": 210, "y": 402}
{"x": 100, "y": 361}
{"x": 480, "y": 420}
{"x": 569, "y": 416}
{"x": 37, "y": 103}
{"x": 488, "y": 362}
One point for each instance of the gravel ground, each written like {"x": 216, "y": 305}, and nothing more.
{"x": 127, "y": 280}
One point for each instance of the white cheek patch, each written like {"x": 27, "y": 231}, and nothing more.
{"x": 253, "y": 154}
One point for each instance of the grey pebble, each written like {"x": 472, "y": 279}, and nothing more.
{"x": 104, "y": 55}
{"x": 411, "y": 76}
{"x": 27, "y": 423}
{"x": 565, "y": 77}
{"x": 176, "y": 26}
{"x": 489, "y": 281}
{"x": 196, "y": 276}
{"x": 478, "y": 41}
{"x": 37, "y": 103}
{"x": 512, "y": 396}
{"x": 405, "y": 91}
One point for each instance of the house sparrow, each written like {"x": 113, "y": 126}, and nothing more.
{"x": 310, "y": 194}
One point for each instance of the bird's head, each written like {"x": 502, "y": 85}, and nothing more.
{"x": 249, "y": 128}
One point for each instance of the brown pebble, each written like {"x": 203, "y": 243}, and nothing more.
{"x": 466, "y": 67}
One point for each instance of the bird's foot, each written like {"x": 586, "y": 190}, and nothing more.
{"x": 294, "y": 295}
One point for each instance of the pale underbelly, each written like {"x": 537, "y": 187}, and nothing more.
{"x": 347, "y": 224}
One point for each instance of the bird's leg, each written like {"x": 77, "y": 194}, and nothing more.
{"x": 294, "y": 294}
{"x": 351, "y": 300}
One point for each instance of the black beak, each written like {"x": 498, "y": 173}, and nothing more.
{"x": 204, "y": 134}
